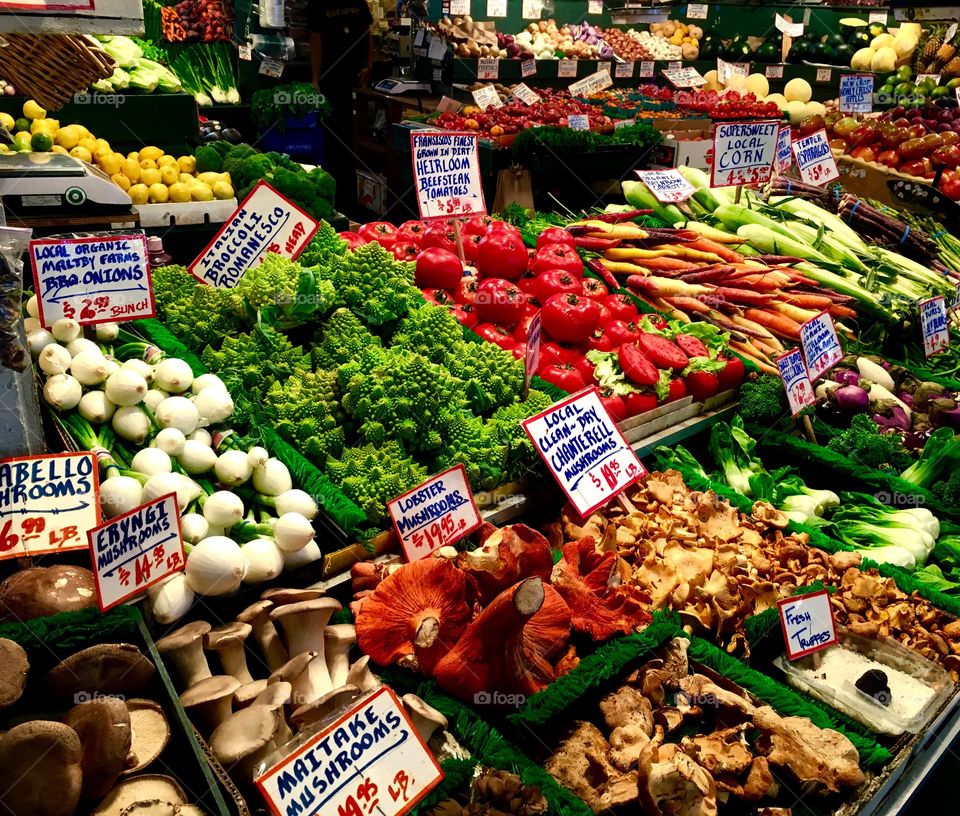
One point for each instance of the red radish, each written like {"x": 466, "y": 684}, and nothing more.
{"x": 662, "y": 353}
{"x": 691, "y": 346}
{"x": 636, "y": 365}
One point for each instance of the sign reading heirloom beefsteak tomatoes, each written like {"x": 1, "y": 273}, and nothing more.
{"x": 743, "y": 152}
{"x": 439, "y": 512}
{"x": 136, "y": 550}
{"x": 370, "y": 761}
{"x": 821, "y": 346}
{"x": 47, "y": 503}
{"x": 807, "y": 623}
{"x": 815, "y": 160}
{"x": 264, "y": 222}
{"x": 796, "y": 381}
{"x": 98, "y": 279}
{"x": 446, "y": 170}
{"x": 584, "y": 450}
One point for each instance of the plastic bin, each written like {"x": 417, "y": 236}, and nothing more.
{"x": 302, "y": 138}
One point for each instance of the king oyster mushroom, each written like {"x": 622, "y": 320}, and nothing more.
{"x": 144, "y": 788}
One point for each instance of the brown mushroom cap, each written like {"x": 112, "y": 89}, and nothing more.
{"x": 210, "y": 701}
{"x": 40, "y": 769}
{"x": 183, "y": 636}
{"x": 244, "y": 733}
{"x": 103, "y": 726}
{"x": 248, "y": 693}
{"x": 276, "y": 694}
{"x": 143, "y": 788}
{"x": 149, "y": 731}
{"x": 281, "y": 596}
{"x": 42, "y": 591}
{"x": 229, "y": 633}
{"x": 152, "y": 808}
{"x": 323, "y": 706}
{"x": 13, "y": 672}
{"x": 109, "y": 668}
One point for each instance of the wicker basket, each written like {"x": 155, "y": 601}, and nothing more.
{"x": 51, "y": 68}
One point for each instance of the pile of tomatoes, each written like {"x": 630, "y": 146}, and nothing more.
{"x": 731, "y": 105}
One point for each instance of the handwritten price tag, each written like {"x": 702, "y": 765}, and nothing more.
{"x": 877, "y": 17}
{"x": 532, "y": 357}
{"x": 459, "y": 6}
{"x": 789, "y": 28}
{"x": 264, "y": 222}
{"x": 92, "y": 280}
{"x": 683, "y": 77}
{"x": 446, "y": 170}
{"x": 488, "y": 68}
{"x": 647, "y": 68}
{"x": 136, "y": 550}
{"x": 578, "y": 121}
{"x": 496, "y": 8}
{"x": 784, "y": 159}
{"x": 856, "y": 93}
{"x": 933, "y": 323}
{"x": 697, "y": 11}
{"x": 743, "y": 152}
{"x": 824, "y": 74}
{"x": 48, "y": 503}
{"x": 667, "y": 186}
{"x": 271, "y": 68}
{"x": 528, "y": 68}
{"x": 525, "y": 94}
{"x": 567, "y": 68}
{"x": 815, "y": 160}
{"x": 623, "y": 70}
{"x": 487, "y": 97}
{"x": 585, "y": 451}
{"x": 796, "y": 381}
{"x": 821, "y": 346}
{"x": 592, "y": 84}
{"x": 594, "y": 6}
{"x": 531, "y": 9}
{"x": 773, "y": 72}
{"x": 807, "y": 623}
{"x": 725, "y": 70}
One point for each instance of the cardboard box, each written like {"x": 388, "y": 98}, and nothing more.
{"x": 372, "y": 191}
{"x": 687, "y": 142}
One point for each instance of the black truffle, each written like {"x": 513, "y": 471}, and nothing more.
{"x": 873, "y": 683}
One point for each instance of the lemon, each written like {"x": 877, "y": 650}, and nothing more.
{"x": 89, "y": 143}
{"x": 150, "y": 176}
{"x": 109, "y": 164}
{"x": 21, "y": 140}
{"x": 159, "y": 193}
{"x": 169, "y": 174}
{"x": 102, "y": 153}
{"x": 186, "y": 178}
{"x": 223, "y": 190}
{"x": 201, "y": 192}
{"x": 151, "y": 152}
{"x": 121, "y": 181}
{"x": 180, "y": 192}
{"x": 84, "y": 133}
{"x": 4, "y": 148}
{"x": 131, "y": 169}
{"x": 68, "y": 137}
{"x": 7, "y": 121}
{"x": 208, "y": 178}
{"x": 139, "y": 193}
{"x": 32, "y": 110}
{"x": 104, "y": 144}
{"x": 60, "y": 149}
{"x": 166, "y": 158}
{"x": 188, "y": 164}
{"x": 80, "y": 152}
{"x": 135, "y": 155}
{"x": 148, "y": 164}
{"x": 42, "y": 125}
{"x": 41, "y": 142}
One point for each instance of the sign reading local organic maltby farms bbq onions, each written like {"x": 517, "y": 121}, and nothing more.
{"x": 48, "y": 503}
{"x": 446, "y": 171}
{"x": 584, "y": 449}
{"x": 264, "y": 222}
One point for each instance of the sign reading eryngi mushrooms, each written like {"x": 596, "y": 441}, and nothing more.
{"x": 134, "y": 551}
{"x": 371, "y": 760}
{"x": 796, "y": 381}
{"x": 446, "y": 171}
{"x": 933, "y": 322}
{"x": 264, "y": 222}
{"x": 821, "y": 346}
{"x": 97, "y": 279}
{"x": 435, "y": 514}
{"x": 48, "y": 503}
{"x": 584, "y": 450}
{"x": 743, "y": 152}
{"x": 807, "y": 623}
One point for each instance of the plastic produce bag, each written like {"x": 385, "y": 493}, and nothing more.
{"x": 13, "y": 243}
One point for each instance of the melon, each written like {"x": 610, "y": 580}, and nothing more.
{"x": 778, "y": 99}
{"x": 816, "y": 109}
{"x": 798, "y": 90}
{"x": 736, "y": 82}
{"x": 882, "y": 41}
{"x": 862, "y": 60}
{"x": 797, "y": 111}
{"x": 904, "y": 45}
{"x": 757, "y": 85}
{"x": 913, "y": 29}
{"x": 884, "y": 60}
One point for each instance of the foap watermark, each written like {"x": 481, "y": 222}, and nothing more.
{"x": 900, "y": 499}
{"x": 487, "y": 500}
{"x": 107, "y": 100}
{"x": 93, "y": 696}
{"x": 312, "y": 99}
{"x": 498, "y": 698}
{"x": 696, "y": 700}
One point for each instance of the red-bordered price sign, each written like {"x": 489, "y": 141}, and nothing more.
{"x": 446, "y": 170}
{"x": 807, "y": 623}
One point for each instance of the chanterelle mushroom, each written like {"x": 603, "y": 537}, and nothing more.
{"x": 184, "y": 648}
{"x": 40, "y": 771}
{"x": 103, "y": 727}
{"x": 13, "y": 672}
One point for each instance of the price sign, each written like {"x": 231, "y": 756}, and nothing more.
{"x": 824, "y": 74}
{"x": 821, "y": 346}
{"x": 585, "y": 451}
{"x": 245, "y": 52}
{"x": 954, "y": 303}
{"x": 459, "y": 6}
{"x": 496, "y": 8}
{"x": 667, "y": 186}
{"x": 789, "y": 28}
{"x": 438, "y": 49}
{"x": 622, "y": 123}
{"x": 264, "y": 222}
{"x": 567, "y": 68}
{"x": 815, "y": 160}
{"x": 370, "y": 761}
{"x": 532, "y": 357}
{"x": 725, "y": 70}
{"x": 528, "y": 68}
{"x": 271, "y": 68}
{"x": 136, "y": 550}
{"x": 487, "y": 97}
{"x": 796, "y": 381}
{"x": 578, "y": 121}
{"x": 594, "y": 6}
{"x": 877, "y": 17}
{"x": 647, "y": 68}
{"x": 773, "y": 72}
{"x": 525, "y": 94}
{"x": 743, "y": 152}
{"x": 856, "y": 93}
{"x": 488, "y": 68}
{"x": 436, "y": 514}
{"x": 683, "y": 77}
{"x": 951, "y": 33}
{"x": 448, "y": 105}
{"x": 48, "y": 503}
{"x": 623, "y": 70}
{"x": 675, "y": 65}
{"x": 697, "y": 11}
{"x": 807, "y": 623}
{"x": 92, "y": 280}
{"x": 592, "y": 84}
{"x": 530, "y": 10}
{"x": 933, "y": 323}
{"x": 446, "y": 170}
{"x": 784, "y": 160}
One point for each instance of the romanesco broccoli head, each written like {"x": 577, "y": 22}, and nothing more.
{"x": 374, "y": 285}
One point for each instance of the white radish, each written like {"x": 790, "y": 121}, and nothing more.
{"x": 65, "y": 330}
{"x": 202, "y": 436}
{"x": 171, "y": 599}
{"x": 54, "y": 359}
{"x": 130, "y": 423}
{"x": 173, "y": 375}
{"x": 89, "y": 367}
{"x": 153, "y": 398}
{"x": 38, "y": 340}
{"x": 170, "y": 441}
{"x": 196, "y": 457}
{"x": 95, "y": 407}
{"x": 179, "y": 413}
{"x": 296, "y": 501}
{"x": 151, "y": 461}
{"x": 264, "y": 561}
{"x": 214, "y": 405}
{"x": 62, "y": 392}
{"x": 163, "y": 484}
{"x": 33, "y": 306}
{"x": 293, "y": 532}
{"x": 120, "y": 495}
{"x": 257, "y": 456}
{"x": 272, "y": 478}
{"x": 233, "y": 468}
{"x": 31, "y": 324}
{"x": 223, "y": 508}
{"x": 292, "y": 560}
{"x": 126, "y": 387}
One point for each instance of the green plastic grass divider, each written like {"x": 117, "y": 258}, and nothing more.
{"x": 165, "y": 340}
{"x": 73, "y": 630}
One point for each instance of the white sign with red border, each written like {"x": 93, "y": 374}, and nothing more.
{"x": 815, "y": 159}
{"x": 725, "y": 70}
{"x": 525, "y": 93}
{"x": 584, "y": 449}
{"x": 647, "y": 68}
{"x": 532, "y": 357}
{"x": 97, "y": 279}
{"x": 743, "y": 152}
{"x": 697, "y": 11}
{"x": 784, "y": 160}
{"x": 264, "y": 222}
{"x": 486, "y": 96}
{"x": 796, "y": 381}
{"x": 48, "y": 503}
{"x": 488, "y": 68}
{"x": 688, "y": 77}
{"x": 933, "y": 323}
{"x": 821, "y": 345}
{"x": 435, "y": 514}
{"x": 578, "y": 121}
{"x": 528, "y": 68}
{"x": 623, "y": 70}
{"x": 667, "y": 186}
{"x": 132, "y": 552}
{"x": 446, "y": 171}
{"x": 773, "y": 72}
{"x": 807, "y": 623}
{"x": 369, "y": 761}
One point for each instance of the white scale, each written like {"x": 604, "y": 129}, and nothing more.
{"x": 399, "y": 85}
{"x": 52, "y": 183}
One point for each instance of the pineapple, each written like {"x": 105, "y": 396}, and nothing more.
{"x": 952, "y": 69}
{"x": 945, "y": 53}
{"x": 929, "y": 55}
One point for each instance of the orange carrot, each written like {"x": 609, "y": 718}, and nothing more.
{"x": 777, "y": 323}
{"x": 706, "y": 245}
{"x": 755, "y": 356}
{"x": 836, "y": 310}
{"x": 688, "y": 304}
{"x": 805, "y": 300}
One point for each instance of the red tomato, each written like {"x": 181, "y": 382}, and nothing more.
{"x": 570, "y": 318}
{"x": 637, "y": 403}
{"x": 353, "y": 239}
{"x": 405, "y": 251}
{"x": 519, "y": 351}
{"x": 499, "y": 301}
{"x": 599, "y": 341}
{"x": 471, "y": 248}
{"x": 382, "y": 232}
{"x": 501, "y": 255}
{"x": 493, "y": 333}
{"x": 501, "y": 227}
{"x": 620, "y": 332}
{"x": 614, "y": 405}
{"x": 677, "y": 390}
{"x": 563, "y": 376}
{"x": 951, "y": 188}
{"x": 440, "y": 297}
{"x": 656, "y": 320}
{"x": 554, "y": 353}
{"x": 637, "y": 367}
{"x": 527, "y": 283}
{"x": 467, "y": 290}
{"x": 553, "y": 282}
{"x": 466, "y": 315}
{"x": 557, "y": 256}
{"x": 622, "y": 307}
{"x": 732, "y": 375}
{"x": 476, "y": 225}
{"x": 522, "y": 329}
{"x": 585, "y": 367}
{"x": 439, "y": 234}
{"x": 595, "y": 289}
{"x": 438, "y": 268}
{"x": 555, "y": 235}
{"x": 411, "y": 231}
{"x": 701, "y": 385}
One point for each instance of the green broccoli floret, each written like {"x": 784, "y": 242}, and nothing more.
{"x": 209, "y": 159}
{"x": 343, "y": 338}
{"x": 323, "y": 247}
{"x": 236, "y": 156}
{"x": 468, "y": 441}
{"x": 505, "y": 425}
{"x": 494, "y": 377}
{"x": 321, "y": 208}
{"x": 863, "y": 443}
{"x": 284, "y": 160}
{"x": 171, "y": 284}
{"x": 294, "y": 185}
{"x": 249, "y": 363}
{"x": 432, "y": 331}
{"x": 947, "y": 490}
{"x": 763, "y": 400}
{"x": 374, "y": 285}
{"x": 246, "y": 173}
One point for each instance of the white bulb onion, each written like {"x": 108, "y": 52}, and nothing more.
{"x": 95, "y": 407}
{"x": 151, "y": 461}
{"x": 233, "y": 468}
{"x": 79, "y": 344}
{"x": 296, "y": 501}
{"x": 264, "y": 561}
{"x": 54, "y": 359}
{"x": 170, "y": 441}
{"x": 130, "y": 423}
{"x": 257, "y": 456}
{"x": 223, "y": 508}
{"x": 293, "y": 532}
{"x": 196, "y": 457}
{"x": 145, "y": 370}
{"x": 179, "y": 413}
{"x": 194, "y": 528}
{"x": 215, "y": 566}
{"x": 153, "y": 398}
{"x": 125, "y": 387}
{"x": 214, "y": 405}
{"x": 62, "y": 392}
{"x": 107, "y": 332}
{"x": 33, "y": 306}
{"x": 171, "y": 599}
{"x": 89, "y": 367}
{"x": 292, "y": 560}
{"x": 173, "y": 375}
{"x": 272, "y": 478}
{"x": 65, "y": 330}
{"x": 120, "y": 495}
{"x": 206, "y": 381}
{"x": 31, "y": 324}
{"x": 38, "y": 340}
{"x": 112, "y": 365}
{"x": 201, "y": 436}
{"x": 163, "y": 484}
